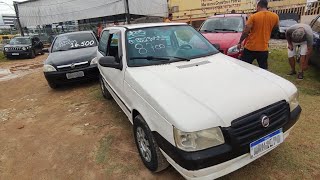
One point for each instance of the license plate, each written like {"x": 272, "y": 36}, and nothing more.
{"x": 15, "y": 54}
{"x": 266, "y": 143}
{"x": 75, "y": 75}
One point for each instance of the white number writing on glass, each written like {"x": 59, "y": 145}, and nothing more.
{"x": 141, "y": 49}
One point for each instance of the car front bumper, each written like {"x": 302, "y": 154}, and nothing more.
{"x": 213, "y": 162}
{"x": 60, "y": 77}
{"x": 20, "y": 54}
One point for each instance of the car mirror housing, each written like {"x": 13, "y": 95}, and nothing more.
{"x": 110, "y": 61}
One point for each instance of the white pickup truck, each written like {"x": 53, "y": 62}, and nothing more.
{"x": 203, "y": 112}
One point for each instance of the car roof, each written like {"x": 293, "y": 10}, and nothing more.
{"x": 228, "y": 15}
{"x": 145, "y": 25}
{"x": 77, "y": 32}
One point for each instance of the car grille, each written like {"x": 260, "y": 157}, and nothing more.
{"x": 249, "y": 128}
{"x": 73, "y": 66}
{"x": 15, "y": 48}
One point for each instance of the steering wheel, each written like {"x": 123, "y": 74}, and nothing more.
{"x": 185, "y": 47}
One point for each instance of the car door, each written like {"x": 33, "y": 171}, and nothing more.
{"x": 111, "y": 45}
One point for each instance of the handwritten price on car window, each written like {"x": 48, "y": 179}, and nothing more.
{"x": 75, "y": 44}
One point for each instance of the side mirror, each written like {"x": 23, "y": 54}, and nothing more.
{"x": 110, "y": 61}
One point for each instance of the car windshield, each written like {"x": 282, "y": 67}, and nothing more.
{"x": 73, "y": 41}
{"x": 316, "y": 26}
{"x": 233, "y": 24}
{"x": 287, "y": 23}
{"x": 157, "y": 45}
{"x": 20, "y": 41}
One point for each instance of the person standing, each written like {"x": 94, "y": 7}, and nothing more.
{"x": 99, "y": 30}
{"x": 299, "y": 35}
{"x": 169, "y": 19}
{"x": 257, "y": 33}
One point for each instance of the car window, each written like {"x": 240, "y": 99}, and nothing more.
{"x": 316, "y": 25}
{"x": 287, "y": 23}
{"x": 20, "y": 41}
{"x": 166, "y": 41}
{"x": 223, "y": 24}
{"x": 103, "y": 42}
{"x": 74, "y": 41}
{"x": 113, "y": 45}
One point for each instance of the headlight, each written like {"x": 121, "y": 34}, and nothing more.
{"x": 199, "y": 140}
{"x": 6, "y": 49}
{"x": 48, "y": 68}
{"x": 94, "y": 61}
{"x": 233, "y": 50}
{"x": 24, "y": 48}
{"x": 293, "y": 101}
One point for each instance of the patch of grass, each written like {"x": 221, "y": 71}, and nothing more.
{"x": 104, "y": 148}
{"x": 95, "y": 91}
{"x": 278, "y": 63}
{"x": 2, "y": 57}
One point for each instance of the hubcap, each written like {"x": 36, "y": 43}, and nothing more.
{"x": 144, "y": 145}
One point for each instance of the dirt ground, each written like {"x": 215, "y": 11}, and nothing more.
{"x": 73, "y": 133}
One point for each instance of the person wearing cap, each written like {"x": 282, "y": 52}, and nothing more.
{"x": 299, "y": 35}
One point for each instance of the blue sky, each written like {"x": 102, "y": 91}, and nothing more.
{"x": 4, "y": 9}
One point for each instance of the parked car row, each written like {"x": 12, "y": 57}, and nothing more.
{"x": 191, "y": 105}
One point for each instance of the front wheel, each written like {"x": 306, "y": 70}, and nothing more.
{"x": 33, "y": 54}
{"x": 104, "y": 90}
{"x": 52, "y": 85}
{"x": 148, "y": 148}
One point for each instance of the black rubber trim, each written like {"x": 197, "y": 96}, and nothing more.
{"x": 212, "y": 156}
{"x": 118, "y": 96}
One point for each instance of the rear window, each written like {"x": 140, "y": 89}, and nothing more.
{"x": 74, "y": 41}
{"x": 223, "y": 24}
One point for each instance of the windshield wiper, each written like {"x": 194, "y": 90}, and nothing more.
{"x": 232, "y": 30}
{"x": 151, "y": 58}
{"x": 165, "y": 58}
{"x": 206, "y": 30}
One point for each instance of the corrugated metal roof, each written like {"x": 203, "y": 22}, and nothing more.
{"x": 39, "y": 12}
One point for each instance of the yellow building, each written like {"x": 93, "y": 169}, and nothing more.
{"x": 197, "y": 10}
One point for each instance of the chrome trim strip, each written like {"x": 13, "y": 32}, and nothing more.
{"x": 76, "y": 64}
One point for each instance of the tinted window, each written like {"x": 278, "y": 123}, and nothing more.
{"x": 20, "y": 41}
{"x": 114, "y": 43}
{"x": 223, "y": 24}
{"x": 166, "y": 42}
{"x": 104, "y": 42}
{"x": 74, "y": 41}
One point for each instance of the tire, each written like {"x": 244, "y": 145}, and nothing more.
{"x": 105, "y": 93}
{"x": 33, "y": 54}
{"x": 52, "y": 85}
{"x": 148, "y": 148}
{"x": 42, "y": 53}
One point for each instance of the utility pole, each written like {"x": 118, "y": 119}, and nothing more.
{"x": 126, "y": 6}
{"x": 16, "y": 9}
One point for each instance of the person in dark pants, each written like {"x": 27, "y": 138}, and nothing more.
{"x": 257, "y": 33}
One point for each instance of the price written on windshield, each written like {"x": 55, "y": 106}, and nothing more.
{"x": 75, "y": 44}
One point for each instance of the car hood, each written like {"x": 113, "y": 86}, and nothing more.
{"x": 225, "y": 40}
{"x": 71, "y": 56}
{"x": 207, "y": 92}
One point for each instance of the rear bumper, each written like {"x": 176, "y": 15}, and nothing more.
{"x": 60, "y": 77}
{"x": 209, "y": 162}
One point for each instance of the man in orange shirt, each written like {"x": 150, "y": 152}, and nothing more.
{"x": 257, "y": 34}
